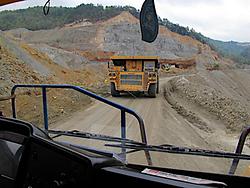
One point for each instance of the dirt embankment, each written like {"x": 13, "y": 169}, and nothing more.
{"x": 61, "y": 104}
{"x": 16, "y": 70}
{"x": 190, "y": 116}
{"x": 196, "y": 92}
{"x": 29, "y": 102}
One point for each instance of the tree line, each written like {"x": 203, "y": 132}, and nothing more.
{"x": 34, "y": 19}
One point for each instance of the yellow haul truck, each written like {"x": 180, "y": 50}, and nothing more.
{"x": 134, "y": 74}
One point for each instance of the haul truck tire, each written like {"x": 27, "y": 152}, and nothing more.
{"x": 114, "y": 92}
{"x": 158, "y": 85}
{"x": 152, "y": 90}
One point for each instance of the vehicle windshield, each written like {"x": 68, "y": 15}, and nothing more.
{"x": 175, "y": 77}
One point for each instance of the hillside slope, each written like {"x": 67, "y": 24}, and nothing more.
{"x": 120, "y": 35}
{"x": 22, "y": 64}
{"x": 13, "y": 70}
{"x": 33, "y": 19}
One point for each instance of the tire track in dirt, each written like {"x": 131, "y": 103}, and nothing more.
{"x": 163, "y": 126}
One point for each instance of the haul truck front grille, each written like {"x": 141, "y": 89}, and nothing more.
{"x": 131, "y": 79}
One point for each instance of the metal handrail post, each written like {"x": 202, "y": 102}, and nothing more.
{"x": 92, "y": 95}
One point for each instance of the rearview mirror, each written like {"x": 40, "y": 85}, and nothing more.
{"x": 149, "y": 21}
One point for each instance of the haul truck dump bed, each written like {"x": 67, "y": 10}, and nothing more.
{"x": 134, "y": 74}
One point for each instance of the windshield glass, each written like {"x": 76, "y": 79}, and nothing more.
{"x": 189, "y": 86}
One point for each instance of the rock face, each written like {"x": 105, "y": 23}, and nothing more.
{"x": 125, "y": 38}
{"x": 65, "y": 38}
{"x": 120, "y": 35}
{"x": 61, "y": 57}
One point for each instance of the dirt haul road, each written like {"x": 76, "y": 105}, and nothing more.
{"x": 163, "y": 126}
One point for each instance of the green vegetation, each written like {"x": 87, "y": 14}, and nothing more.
{"x": 239, "y": 52}
{"x": 183, "y": 30}
{"x": 33, "y": 19}
{"x": 214, "y": 66}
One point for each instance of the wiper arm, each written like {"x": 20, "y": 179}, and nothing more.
{"x": 135, "y": 146}
{"x": 93, "y": 150}
{"x": 79, "y": 134}
{"x": 86, "y": 135}
{"x": 181, "y": 150}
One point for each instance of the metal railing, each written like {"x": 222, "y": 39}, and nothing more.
{"x": 239, "y": 149}
{"x": 122, "y": 108}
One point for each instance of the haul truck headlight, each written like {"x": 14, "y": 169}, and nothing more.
{"x": 152, "y": 75}
{"x": 112, "y": 74}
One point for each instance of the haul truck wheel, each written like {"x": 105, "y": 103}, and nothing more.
{"x": 152, "y": 90}
{"x": 114, "y": 92}
{"x": 158, "y": 85}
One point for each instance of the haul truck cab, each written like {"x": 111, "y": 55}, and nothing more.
{"x": 134, "y": 74}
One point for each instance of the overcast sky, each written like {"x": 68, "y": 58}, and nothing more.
{"x": 219, "y": 19}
